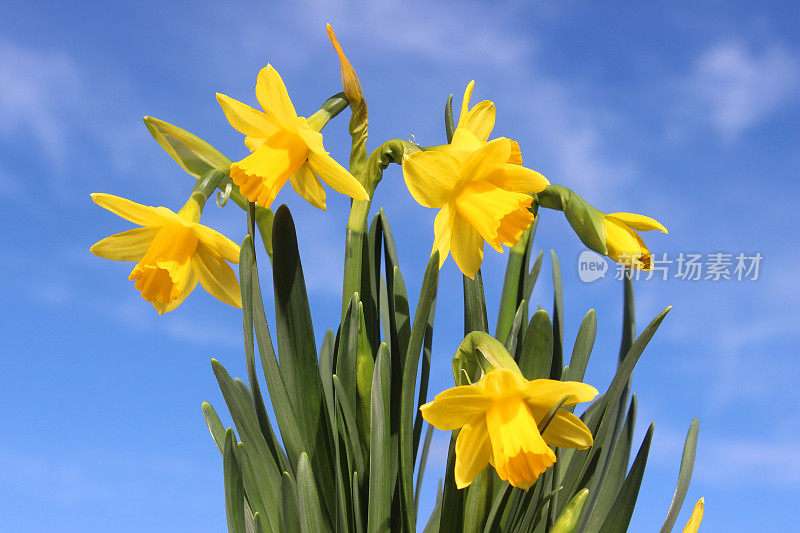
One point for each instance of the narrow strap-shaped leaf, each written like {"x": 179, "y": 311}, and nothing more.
{"x": 583, "y": 348}
{"x": 298, "y": 353}
{"x": 291, "y": 507}
{"x": 435, "y": 518}
{"x": 452, "y": 509}
{"x": 427, "y": 297}
{"x": 426, "y": 445}
{"x": 558, "y": 321}
{"x": 234, "y": 493}
{"x": 684, "y": 476}
{"x": 381, "y": 485}
{"x": 513, "y": 286}
{"x": 619, "y": 517}
{"x": 604, "y": 431}
{"x": 348, "y": 351}
{"x": 256, "y": 485}
{"x": 350, "y": 424}
{"x": 533, "y": 275}
{"x": 609, "y": 486}
{"x": 370, "y": 282}
{"x": 516, "y": 332}
{"x": 425, "y": 369}
{"x": 536, "y": 355}
{"x": 214, "y": 425}
{"x": 497, "y": 508}
{"x": 247, "y": 263}
{"x": 258, "y": 526}
{"x": 257, "y": 459}
{"x": 358, "y": 512}
{"x": 311, "y": 513}
{"x": 478, "y": 502}
{"x": 474, "y": 305}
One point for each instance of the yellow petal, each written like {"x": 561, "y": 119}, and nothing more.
{"x": 499, "y": 216}
{"x": 165, "y": 308}
{"x": 473, "y": 450}
{"x": 129, "y": 245}
{"x": 144, "y": 215}
{"x": 639, "y": 222}
{"x": 463, "y": 116}
{"x": 564, "y": 430}
{"x": 431, "y": 177}
{"x": 336, "y": 176}
{"x": 697, "y": 516}
{"x": 516, "y": 178}
{"x": 453, "y": 408}
{"x": 306, "y": 184}
{"x": 466, "y": 245}
{"x": 311, "y": 137}
{"x": 624, "y": 245}
{"x": 480, "y": 119}
{"x": 263, "y": 173}
{"x": 519, "y": 452}
{"x": 253, "y": 143}
{"x": 548, "y": 392}
{"x": 441, "y": 233}
{"x": 165, "y": 269}
{"x": 486, "y": 159}
{"x": 245, "y": 119}
{"x": 273, "y": 97}
{"x": 464, "y": 140}
{"x": 218, "y": 243}
{"x": 515, "y": 158}
{"x": 502, "y": 382}
{"x": 216, "y": 276}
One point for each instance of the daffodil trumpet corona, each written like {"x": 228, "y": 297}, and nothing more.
{"x": 284, "y": 148}
{"x": 498, "y": 417}
{"x": 172, "y": 251}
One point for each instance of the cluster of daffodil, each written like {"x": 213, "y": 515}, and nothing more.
{"x": 350, "y": 415}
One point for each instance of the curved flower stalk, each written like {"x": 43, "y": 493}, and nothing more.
{"x": 285, "y": 147}
{"x": 613, "y": 234}
{"x": 173, "y": 252}
{"x": 480, "y": 196}
{"x": 498, "y": 417}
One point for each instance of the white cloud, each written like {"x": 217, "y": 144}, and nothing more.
{"x": 736, "y": 86}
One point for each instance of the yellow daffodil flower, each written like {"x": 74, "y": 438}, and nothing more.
{"x": 284, "y": 147}
{"x": 173, "y": 252}
{"x": 697, "y": 516}
{"x": 624, "y": 245}
{"x": 480, "y": 196}
{"x": 498, "y": 418}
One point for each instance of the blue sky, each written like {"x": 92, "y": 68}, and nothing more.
{"x": 688, "y": 114}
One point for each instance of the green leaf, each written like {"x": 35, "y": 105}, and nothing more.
{"x": 452, "y": 508}
{"x": 582, "y": 349}
{"x": 610, "y": 484}
{"x": 498, "y": 506}
{"x": 449, "y": 125}
{"x": 530, "y": 280}
{"x": 358, "y": 513}
{"x": 408, "y": 381}
{"x": 297, "y": 349}
{"x": 350, "y": 424}
{"x": 381, "y": 483}
{"x": 425, "y": 369}
{"x": 426, "y": 445}
{"x": 619, "y": 517}
{"x": 311, "y": 515}
{"x": 234, "y": 493}
{"x": 291, "y": 507}
{"x": 569, "y": 518}
{"x": 214, "y": 425}
{"x": 684, "y": 476}
{"x": 474, "y": 305}
{"x": 516, "y": 330}
{"x": 536, "y": 355}
{"x": 602, "y": 425}
{"x": 246, "y": 265}
{"x": 558, "y": 321}
{"x": 478, "y": 502}
{"x": 348, "y": 351}
{"x": 513, "y": 286}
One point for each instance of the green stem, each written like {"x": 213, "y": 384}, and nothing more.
{"x": 391, "y": 151}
